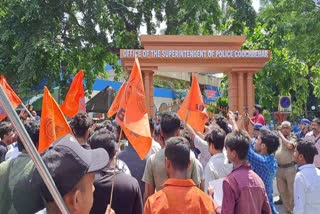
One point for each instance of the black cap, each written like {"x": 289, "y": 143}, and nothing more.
{"x": 259, "y": 107}
{"x": 67, "y": 163}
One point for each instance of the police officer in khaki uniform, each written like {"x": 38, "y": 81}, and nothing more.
{"x": 286, "y": 165}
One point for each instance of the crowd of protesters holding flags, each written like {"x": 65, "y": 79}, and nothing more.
{"x": 183, "y": 163}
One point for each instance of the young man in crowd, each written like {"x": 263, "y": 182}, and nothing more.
{"x": 155, "y": 146}
{"x": 257, "y": 116}
{"x": 202, "y": 144}
{"x": 73, "y": 170}
{"x": 16, "y": 192}
{"x": 304, "y": 128}
{"x": 307, "y": 180}
{"x": 7, "y": 137}
{"x": 180, "y": 194}
{"x": 155, "y": 172}
{"x": 80, "y": 125}
{"x": 314, "y": 136}
{"x": 243, "y": 189}
{"x": 262, "y": 160}
{"x": 126, "y": 188}
{"x": 256, "y": 131}
{"x": 217, "y": 166}
{"x": 286, "y": 166}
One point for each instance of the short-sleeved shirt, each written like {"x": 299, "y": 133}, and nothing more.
{"x": 179, "y": 196}
{"x": 155, "y": 172}
{"x": 135, "y": 164}
{"x": 217, "y": 167}
{"x": 259, "y": 118}
{"x": 283, "y": 154}
{"x": 18, "y": 193}
{"x": 127, "y": 198}
{"x": 306, "y": 190}
{"x": 243, "y": 190}
{"x": 266, "y": 167}
{"x": 202, "y": 145}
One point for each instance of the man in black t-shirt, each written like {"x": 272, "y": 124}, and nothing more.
{"x": 127, "y": 198}
{"x": 7, "y": 137}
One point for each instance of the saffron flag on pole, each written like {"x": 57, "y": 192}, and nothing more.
{"x": 53, "y": 124}
{"x": 193, "y": 107}
{"x": 12, "y": 96}
{"x": 74, "y": 101}
{"x": 132, "y": 114}
{"x": 116, "y": 102}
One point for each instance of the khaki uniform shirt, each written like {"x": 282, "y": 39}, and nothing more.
{"x": 283, "y": 155}
{"x": 155, "y": 171}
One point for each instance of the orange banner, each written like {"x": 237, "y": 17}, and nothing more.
{"x": 116, "y": 102}
{"x": 132, "y": 115}
{"x": 53, "y": 124}
{"x": 12, "y": 96}
{"x": 75, "y": 101}
{"x": 193, "y": 108}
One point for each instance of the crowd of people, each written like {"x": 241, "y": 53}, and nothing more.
{"x": 223, "y": 170}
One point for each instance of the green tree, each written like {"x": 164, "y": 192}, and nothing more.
{"x": 37, "y": 37}
{"x": 288, "y": 29}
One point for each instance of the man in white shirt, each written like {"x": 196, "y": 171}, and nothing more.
{"x": 307, "y": 180}
{"x": 200, "y": 144}
{"x": 314, "y": 137}
{"x": 217, "y": 166}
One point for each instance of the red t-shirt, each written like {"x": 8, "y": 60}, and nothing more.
{"x": 258, "y": 119}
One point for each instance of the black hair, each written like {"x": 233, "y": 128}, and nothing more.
{"x": 308, "y": 150}
{"x": 186, "y": 134}
{"x": 108, "y": 125}
{"x": 170, "y": 123}
{"x": 216, "y": 137}
{"x": 178, "y": 152}
{"x": 105, "y": 124}
{"x": 259, "y": 108}
{"x": 270, "y": 139}
{"x": 317, "y": 120}
{"x": 80, "y": 124}
{"x": 222, "y": 122}
{"x": 239, "y": 142}
{"x": 5, "y": 128}
{"x": 33, "y": 129}
{"x": 151, "y": 124}
{"x": 103, "y": 139}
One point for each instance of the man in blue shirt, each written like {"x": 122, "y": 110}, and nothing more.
{"x": 304, "y": 128}
{"x": 263, "y": 162}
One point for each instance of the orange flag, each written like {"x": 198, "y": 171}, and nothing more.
{"x": 53, "y": 124}
{"x": 13, "y": 98}
{"x": 116, "y": 102}
{"x": 74, "y": 101}
{"x": 132, "y": 115}
{"x": 194, "y": 106}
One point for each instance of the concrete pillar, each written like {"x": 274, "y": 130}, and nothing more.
{"x": 251, "y": 98}
{"x": 241, "y": 97}
{"x": 147, "y": 76}
{"x": 250, "y": 93}
{"x": 232, "y": 91}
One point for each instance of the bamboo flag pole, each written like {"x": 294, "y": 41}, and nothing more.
{"x": 27, "y": 110}
{"x": 114, "y": 170}
{"x": 32, "y": 151}
{"x": 188, "y": 109}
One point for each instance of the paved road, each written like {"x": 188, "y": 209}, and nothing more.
{"x": 280, "y": 209}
